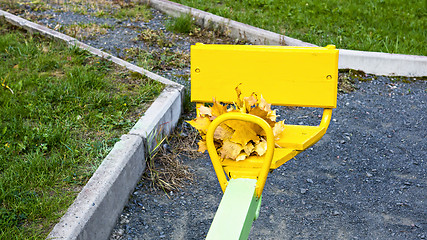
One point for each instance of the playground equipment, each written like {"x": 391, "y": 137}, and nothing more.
{"x": 285, "y": 76}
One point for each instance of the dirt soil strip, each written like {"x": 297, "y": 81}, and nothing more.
{"x": 365, "y": 179}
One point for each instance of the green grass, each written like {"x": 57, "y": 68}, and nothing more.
{"x": 61, "y": 111}
{"x": 393, "y": 26}
{"x": 181, "y": 24}
{"x": 134, "y": 13}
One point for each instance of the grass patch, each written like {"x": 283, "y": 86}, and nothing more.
{"x": 85, "y": 31}
{"x": 134, "y": 13}
{"x": 181, "y": 24}
{"x": 392, "y": 26}
{"x": 61, "y": 111}
{"x": 158, "y": 59}
{"x": 155, "y": 38}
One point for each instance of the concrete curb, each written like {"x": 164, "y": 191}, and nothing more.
{"x": 94, "y": 212}
{"x": 369, "y": 62}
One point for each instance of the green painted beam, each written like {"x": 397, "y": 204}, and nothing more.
{"x": 238, "y": 209}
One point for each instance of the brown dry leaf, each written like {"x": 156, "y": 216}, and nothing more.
{"x": 202, "y": 146}
{"x": 230, "y": 149}
{"x": 201, "y": 124}
{"x": 223, "y": 132}
{"x": 261, "y": 147}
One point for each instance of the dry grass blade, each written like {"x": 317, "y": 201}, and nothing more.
{"x": 165, "y": 170}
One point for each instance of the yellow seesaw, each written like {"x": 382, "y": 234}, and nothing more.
{"x": 285, "y": 76}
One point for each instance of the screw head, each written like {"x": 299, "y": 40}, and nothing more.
{"x": 197, "y": 70}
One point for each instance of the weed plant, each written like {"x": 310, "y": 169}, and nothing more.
{"x": 61, "y": 111}
{"x": 393, "y": 26}
{"x": 181, "y": 24}
{"x": 134, "y": 13}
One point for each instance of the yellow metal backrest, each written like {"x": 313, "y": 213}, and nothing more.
{"x": 289, "y": 76}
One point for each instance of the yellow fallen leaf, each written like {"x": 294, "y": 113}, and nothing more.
{"x": 278, "y": 129}
{"x": 236, "y": 139}
{"x": 261, "y": 147}
{"x": 257, "y": 111}
{"x": 243, "y": 133}
{"x": 264, "y": 105}
{"x": 223, "y": 132}
{"x": 238, "y": 92}
{"x": 230, "y": 149}
{"x": 272, "y": 115}
{"x": 250, "y": 102}
{"x": 201, "y": 124}
{"x": 242, "y": 156}
{"x": 248, "y": 148}
{"x": 202, "y": 146}
{"x": 217, "y": 108}
{"x": 205, "y": 111}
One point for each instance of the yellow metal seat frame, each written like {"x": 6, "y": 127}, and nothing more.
{"x": 308, "y": 75}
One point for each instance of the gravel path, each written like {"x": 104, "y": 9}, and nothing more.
{"x": 366, "y": 178}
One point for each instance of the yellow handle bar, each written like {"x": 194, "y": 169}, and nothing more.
{"x": 268, "y": 157}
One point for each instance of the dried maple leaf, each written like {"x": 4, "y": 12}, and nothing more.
{"x": 242, "y": 156}
{"x": 249, "y": 148}
{"x": 202, "y": 146}
{"x": 278, "y": 129}
{"x": 230, "y": 149}
{"x": 217, "y": 108}
{"x": 238, "y": 92}
{"x": 249, "y": 102}
{"x": 205, "y": 111}
{"x": 243, "y": 134}
{"x": 223, "y": 132}
{"x": 261, "y": 147}
{"x": 201, "y": 124}
{"x": 264, "y": 105}
{"x": 235, "y": 139}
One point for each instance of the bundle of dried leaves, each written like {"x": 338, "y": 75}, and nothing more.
{"x": 235, "y": 139}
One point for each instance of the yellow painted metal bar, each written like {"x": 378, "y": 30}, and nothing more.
{"x": 326, "y": 119}
{"x": 216, "y": 162}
